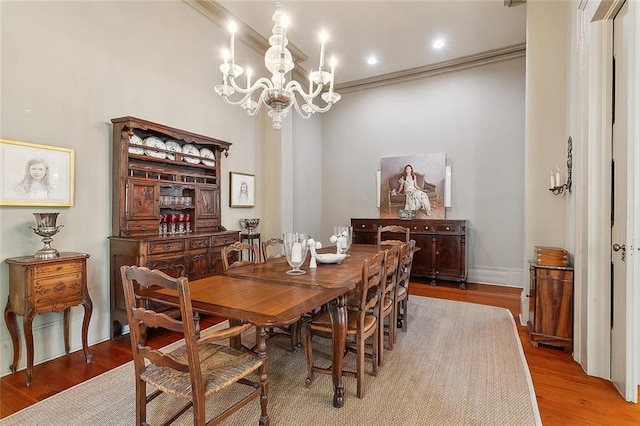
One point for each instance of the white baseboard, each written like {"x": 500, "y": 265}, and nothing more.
{"x": 48, "y": 337}
{"x": 509, "y": 277}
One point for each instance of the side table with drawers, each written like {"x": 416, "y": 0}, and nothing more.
{"x": 39, "y": 286}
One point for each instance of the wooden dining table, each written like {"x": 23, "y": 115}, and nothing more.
{"x": 344, "y": 276}
{"x": 266, "y": 296}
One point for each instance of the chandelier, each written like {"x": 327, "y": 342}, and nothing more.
{"x": 276, "y": 93}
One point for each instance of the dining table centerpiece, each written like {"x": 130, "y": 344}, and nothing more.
{"x": 313, "y": 247}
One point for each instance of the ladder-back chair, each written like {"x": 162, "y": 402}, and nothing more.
{"x": 195, "y": 370}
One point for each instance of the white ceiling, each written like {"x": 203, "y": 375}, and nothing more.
{"x": 398, "y": 33}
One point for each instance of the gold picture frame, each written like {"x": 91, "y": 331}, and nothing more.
{"x": 242, "y": 190}
{"x": 36, "y": 175}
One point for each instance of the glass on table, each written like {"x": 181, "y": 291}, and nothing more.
{"x": 295, "y": 249}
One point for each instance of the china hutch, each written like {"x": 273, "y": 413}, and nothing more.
{"x": 442, "y": 244}
{"x": 166, "y": 204}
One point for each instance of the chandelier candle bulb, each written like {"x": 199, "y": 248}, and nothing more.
{"x": 323, "y": 39}
{"x": 232, "y": 30}
{"x": 552, "y": 182}
{"x": 249, "y": 73}
{"x": 558, "y": 176}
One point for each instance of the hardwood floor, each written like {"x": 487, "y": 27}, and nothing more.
{"x": 566, "y": 396}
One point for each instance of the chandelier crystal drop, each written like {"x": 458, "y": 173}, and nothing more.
{"x": 276, "y": 93}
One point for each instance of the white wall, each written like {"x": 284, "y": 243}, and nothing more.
{"x": 476, "y": 117}
{"x": 76, "y": 65}
{"x": 547, "y": 129}
{"x": 307, "y": 172}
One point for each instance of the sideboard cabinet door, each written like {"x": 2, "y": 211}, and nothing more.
{"x": 551, "y": 305}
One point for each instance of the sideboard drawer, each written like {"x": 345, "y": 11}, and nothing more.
{"x": 199, "y": 242}
{"x": 448, "y": 227}
{"x": 223, "y": 240}
{"x": 57, "y": 268}
{"x": 168, "y": 246}
{"x": 142, "y": 227}
{"x": 364, "y": 226}
{"x": 57, "y": 292}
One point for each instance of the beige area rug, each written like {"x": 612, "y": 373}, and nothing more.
{"x": 459, "y": 364}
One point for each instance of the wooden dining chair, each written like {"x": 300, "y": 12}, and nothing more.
{"x": 234, "y": 251}
{"x": 388, "y": 303}
{"x": 402, "y": 292}
{"x": 268, "y": 245}
{"x": 392, "y": 229}
{"x": 196, "y": 369}
{"x": 292, "y": 330}
{"x": 362, "y": 324}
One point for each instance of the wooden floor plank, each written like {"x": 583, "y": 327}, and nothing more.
{"x": 565, "y": 394}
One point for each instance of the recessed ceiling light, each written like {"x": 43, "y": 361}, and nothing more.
{"x": 372, "y": 60}
{"x": 438, "y": 44}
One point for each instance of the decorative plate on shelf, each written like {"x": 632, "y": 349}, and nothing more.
{"x": 154, "y": 142}
{"x": 208, "y": 157}
{"x": 190, "y": 149}
{"x": 172, "y": 146}
{"x": 136, "y": 145}
{"x": 330, "y": 257}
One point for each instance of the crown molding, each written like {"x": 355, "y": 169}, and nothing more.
{"x": 465, "y": 62}
{"x": 219, "y": 15}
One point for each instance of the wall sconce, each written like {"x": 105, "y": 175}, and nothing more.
{"x": 554, "y": 181}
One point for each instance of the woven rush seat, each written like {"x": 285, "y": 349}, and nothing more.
{"x": 322, "y": 322}
{"x": 221, "y": 366}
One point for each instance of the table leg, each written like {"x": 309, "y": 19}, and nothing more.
{"x": 262, "y": 353}
{"x": 236, "y": 342}
{"x": 66, "y": 330}
{"x": 88, "y": 309}
{"x": 338, "y": 314}
{"x": 10, "y": 320}
{"x": 28, "y": 337}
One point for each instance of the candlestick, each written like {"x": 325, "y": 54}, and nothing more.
{"x": 558, "y": 176}
{"x": 552, "y": 181}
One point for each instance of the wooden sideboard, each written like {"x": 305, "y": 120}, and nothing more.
{"x": 39, "y": 286}
{"x": 551, "y": 305}
{"x": 442, "y": 243}
{"x": 165, "y": 204}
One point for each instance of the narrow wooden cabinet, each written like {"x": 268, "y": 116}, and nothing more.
{"x": 442, "y": 243}
{"x": 40, "y": 286}
{"x": 551, "y": 305}
{"x": 165, "y": 205}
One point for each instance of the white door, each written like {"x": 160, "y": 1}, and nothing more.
{"x": 621, "y": 341}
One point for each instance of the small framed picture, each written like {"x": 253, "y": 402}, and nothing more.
{"x": 242, "y": 190}
{"x": 35, "y": 175}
